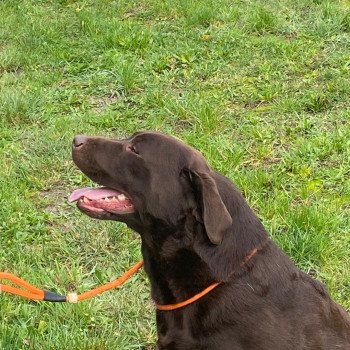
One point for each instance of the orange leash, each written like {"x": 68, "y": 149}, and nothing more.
{"x": 111, "y": 285}
{"x": 30, "y": 292}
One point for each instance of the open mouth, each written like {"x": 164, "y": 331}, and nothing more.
{"x": 102, "y": 200}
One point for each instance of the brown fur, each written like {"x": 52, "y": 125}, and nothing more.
{"x": 196, "y": 228}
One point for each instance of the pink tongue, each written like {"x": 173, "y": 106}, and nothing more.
{"x": 92, "y": 193}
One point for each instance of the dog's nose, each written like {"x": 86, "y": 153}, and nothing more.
{"x": 79, "y": 140}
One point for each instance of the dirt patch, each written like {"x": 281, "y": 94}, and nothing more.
{"x": 99, "y": 103}
{"x": 53, "y": 201}
{"x": 54, "y": 197}
{"x": 14, "y": 69}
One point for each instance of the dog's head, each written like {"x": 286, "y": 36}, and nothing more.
{"x": 149, "y": 177}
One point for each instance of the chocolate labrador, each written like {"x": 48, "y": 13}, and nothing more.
{"x": 197, "y": 231}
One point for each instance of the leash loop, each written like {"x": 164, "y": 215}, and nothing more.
{"x": 28, "y": 291}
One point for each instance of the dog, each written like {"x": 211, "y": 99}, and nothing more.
{"x": 198, "y": 232}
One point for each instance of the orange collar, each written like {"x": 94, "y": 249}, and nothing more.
{"x": 191, "y": 300}
{"x": 169, "y": 307}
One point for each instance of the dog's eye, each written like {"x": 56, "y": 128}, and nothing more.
{"x": 132, "y": 148}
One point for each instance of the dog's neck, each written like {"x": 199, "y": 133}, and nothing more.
{"x": 176, "y": 278}
{"x": 247, "y": 233}
{"x": 181, "y": 262}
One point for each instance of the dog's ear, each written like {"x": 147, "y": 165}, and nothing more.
{"x": 216, "y": 218}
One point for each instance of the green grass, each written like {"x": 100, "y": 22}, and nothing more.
{"x": 260, "y": 87}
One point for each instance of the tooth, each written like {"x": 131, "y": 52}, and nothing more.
{"x": 107, "y": 199}
{"x": 80, "y": 199}
{"x": 115, "y": 198}
{"x": 86, "y": 200}
{"x": 121, "y": 197}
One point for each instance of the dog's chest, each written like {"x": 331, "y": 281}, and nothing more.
{"x": 174, "y": 332}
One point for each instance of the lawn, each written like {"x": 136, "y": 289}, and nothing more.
{"x": 260, "y": 87}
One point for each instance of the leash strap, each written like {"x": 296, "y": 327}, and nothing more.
{"x": 28, "y": 291}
